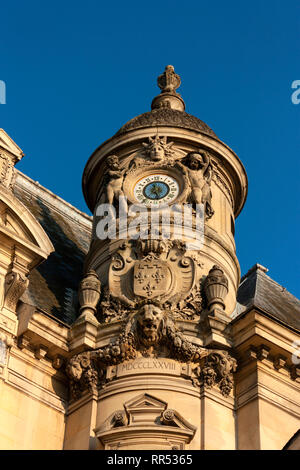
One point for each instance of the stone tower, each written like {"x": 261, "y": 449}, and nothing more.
{"x": 152, "y": 359}
{"x": 132, "y": 329}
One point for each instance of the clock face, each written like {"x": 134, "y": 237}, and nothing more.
{"x": 156, "y": 189}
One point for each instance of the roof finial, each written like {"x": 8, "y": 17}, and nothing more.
{"x": 168, "y": 82}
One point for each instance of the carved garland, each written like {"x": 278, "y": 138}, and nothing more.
{"x": 150, "y": 333}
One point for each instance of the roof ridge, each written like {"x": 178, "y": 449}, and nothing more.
{"x": 56, "y": 200}
{"x": 254, "y": 268}
{"x": 284, "y": 289}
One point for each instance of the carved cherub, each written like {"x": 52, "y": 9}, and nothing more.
{"x": 115, "y": 179}
{"x": 199, "y": 171}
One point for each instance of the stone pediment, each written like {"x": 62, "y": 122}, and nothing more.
{"x": 7, "y": 144}
{"x": 149, "y": 417}
{"x": 144, "y": 400}
{"x": 144, "y": 409}
{"x": 18, "y": 225}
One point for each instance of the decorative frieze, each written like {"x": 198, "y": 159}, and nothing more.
{"x": 149, "y": 333}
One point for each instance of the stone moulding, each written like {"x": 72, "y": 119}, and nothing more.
{"x": 149, "y": 333}
{"x": 280, "y": 362}
{"x": 145, "y": 418}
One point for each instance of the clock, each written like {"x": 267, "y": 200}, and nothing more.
{"x": 156, "y": 189}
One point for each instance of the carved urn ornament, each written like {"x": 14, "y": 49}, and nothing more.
{"x": 216, "y": 287}
{"x": 89, "y": 292}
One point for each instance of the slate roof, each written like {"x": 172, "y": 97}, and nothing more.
{"x": 167, "y": 117}
{"x": 54, "y": 283}
{"x": 259, "y": 290}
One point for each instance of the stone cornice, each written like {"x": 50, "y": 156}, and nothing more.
{"x": 255, "y": 321}
{"x": 42, "y": 331}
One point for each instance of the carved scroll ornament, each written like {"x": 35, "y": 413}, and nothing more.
{"x": 150, "y": 332}
{"x": 15, "y": 286}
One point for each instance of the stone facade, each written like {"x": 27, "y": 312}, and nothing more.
{"x": 141, "y": 343}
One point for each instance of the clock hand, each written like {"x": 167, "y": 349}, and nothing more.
{"x": 155, "y": 190}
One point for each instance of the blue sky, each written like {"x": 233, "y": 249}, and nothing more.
{"x": 75, "y": 72}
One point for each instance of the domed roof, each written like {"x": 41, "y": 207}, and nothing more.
{"x": 167, "y": 117}
{"x": 168, "y": 109}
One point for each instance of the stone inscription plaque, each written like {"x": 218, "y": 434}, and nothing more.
{"x": 148, "y": 366}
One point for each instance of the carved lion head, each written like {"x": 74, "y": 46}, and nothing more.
{"x": 149, "y": 323}
{"x": 74, "y": 369}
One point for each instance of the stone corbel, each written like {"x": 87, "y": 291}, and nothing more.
{"x": 23, "y": 342}
{"x": 263, "y": 352}
{"x": 279, "y": 361}
{"x": 40, "y": 351}
{"x": 44, "y": 336}
{"x": 295, "y": 373}
{"x": 14, "y": 286}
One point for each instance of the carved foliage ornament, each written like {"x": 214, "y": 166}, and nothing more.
{"x": 148, "y": 333}
{"x": 217, "y": 370}
{"x": 15, "y": 286}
